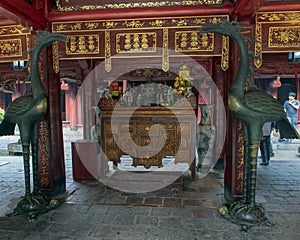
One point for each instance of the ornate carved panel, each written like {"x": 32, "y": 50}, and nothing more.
{"x": 282, "y": 37}
{"x": 75, "y": 5}
{"x": 143, "y": 37}
{"x": 14, "y": 41}
{"x": 10, "y": 48}
{"x": 276, "y": 32}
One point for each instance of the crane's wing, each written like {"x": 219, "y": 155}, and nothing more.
{"x": 265, "y": 104}
{"x": 286, "y": 129}
{"x": 14, "y": 110}
{"x": 18, "y": 107}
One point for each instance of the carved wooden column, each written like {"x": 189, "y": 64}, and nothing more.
{"x": 52, "y": 179}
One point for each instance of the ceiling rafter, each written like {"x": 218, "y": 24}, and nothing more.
{"x": 23, "y": 13}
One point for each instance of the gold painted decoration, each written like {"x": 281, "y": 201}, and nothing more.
{"x": 225, "y": 53}
{"x": 88, "y": 5}
{"x": 141, "y": 23}
{"x": 82, "y": 44}
{"x": 276, "y": 32}
{"x": 91, "y": 25}
{"x": 192, "y": 41}
{"x": 107, "y": 52}
{"x": 180, "y": 22}
{"x": 55, "y": 57}
{"x": 140, "y": 36}
{"x": 13, "y": 30}
{"x": 238, "y": 167}
{"x": 258, "y": 46}
{"x": 278, "y": 17}
{"x": 158, "y": 23}
{"x": 136, "y": 42}
{"x": 165, "y": 54}
{"x": 284, "y": 37}
{"x": 45, "y": 177}
{"x": 10, "y": 48}
{"x": 110, "y": 24}
{"x": 133, "y": 24}
{"x": 14, "y": 41}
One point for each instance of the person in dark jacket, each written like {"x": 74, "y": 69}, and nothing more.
{"x": 291, "y": 107}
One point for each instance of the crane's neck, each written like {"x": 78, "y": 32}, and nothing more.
{"x": 242, "y": 75}
{"x": 36, "y": 84}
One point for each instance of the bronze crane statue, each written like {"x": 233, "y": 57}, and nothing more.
{"x": 253, "y": 108}
{"x": 27, "y": 111}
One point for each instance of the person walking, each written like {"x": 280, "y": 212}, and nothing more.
{"x": 265, "y": 144}
{"x": 291, "y": 107}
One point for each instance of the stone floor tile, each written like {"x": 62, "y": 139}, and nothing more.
{"x": 170, "y": 222}
{"x": 146, "y": 220}
{"x": 130, "y": 210}
{"x": 77, "y": 228}
{"x": 162, "y": 212}
{"x": 203, "y": 213}
{"x": 155, "y": 233}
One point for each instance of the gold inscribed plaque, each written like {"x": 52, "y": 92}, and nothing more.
{"x": 136, "y": 42}
{"x": 192, "y": 41}
{"x": 82, "y": 44}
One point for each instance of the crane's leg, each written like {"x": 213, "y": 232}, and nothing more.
{"x": 248, "y": 213}
{"x": 255, "y": 139}
{"x": 34, "y": 151}
{"x": 34, "y": 203}
{"x": 246, "y": 197}
{"x": 25, "y": 139}
{"x": 25, "y": 203}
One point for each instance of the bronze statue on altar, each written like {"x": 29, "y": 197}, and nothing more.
{"x": 27, "y": 111}
{"x": 253, "y": 108}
